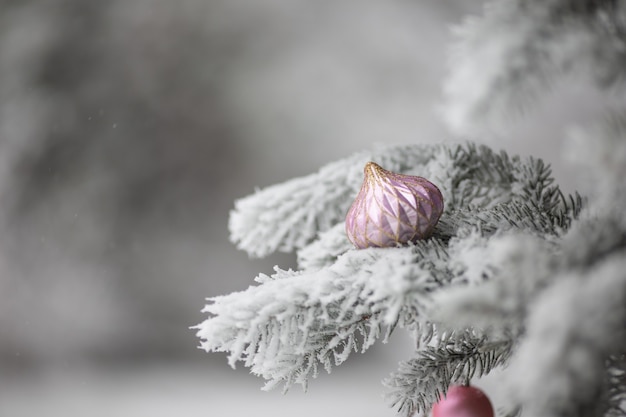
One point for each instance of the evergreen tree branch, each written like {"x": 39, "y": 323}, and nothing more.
{"x": 291, "y": 323}
{"x": 506, "y": 58}
{"x": 576, "y": 325}
{"x": 326, "y": 249}
{"x": 505, "y": 273}
{"x": 512, "y": 262}
{"x": 457, "y": 358}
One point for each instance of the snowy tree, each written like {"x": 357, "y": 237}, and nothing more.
{"x": 516, "y": 274}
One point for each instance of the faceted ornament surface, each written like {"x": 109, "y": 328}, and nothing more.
{"x": 392, "y": 209}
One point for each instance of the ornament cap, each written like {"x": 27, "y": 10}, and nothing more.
{"x": 372, "y": 169}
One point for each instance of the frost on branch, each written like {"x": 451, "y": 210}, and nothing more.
{"x": 510, "y": 55}
{"x": 293, "y": 322}
{"x": 342, "y": 300}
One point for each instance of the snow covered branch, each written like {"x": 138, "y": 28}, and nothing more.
{"x": 343, "y": 300}
{"x": 574, "y": 328}
{"x": 294, "y": 321}
{"x": 506, "y": 58}
{"x": 422, "y": 380}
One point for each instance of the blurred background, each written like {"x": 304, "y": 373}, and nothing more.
{"x": 127, "y": 130}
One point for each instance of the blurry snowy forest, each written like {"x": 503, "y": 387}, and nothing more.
{"x": 127, "y": 129}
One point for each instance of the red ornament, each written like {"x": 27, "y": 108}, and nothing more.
{"x": 463, "y": 401}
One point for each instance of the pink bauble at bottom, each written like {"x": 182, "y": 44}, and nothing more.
{"x": 463, "y": 401}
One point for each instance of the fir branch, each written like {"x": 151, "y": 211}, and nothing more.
{"x": 266, "y": 221}
{"x": 508, "y": 57}
{"x": 457, "y": 358}
{"x": 520, "y": 215}
{"x": 294, "y": 322}
{"x": 479, "y": 177}
{"x": 554, "y": 220}
{"x": 326, "y": 249}
{"x": 286, "y": 327}
{"x": 504, "y": 273}
{"x": 574, "y": 327}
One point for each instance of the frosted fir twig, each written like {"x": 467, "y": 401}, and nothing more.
{"x": 478, "y": 177}
{"x": 422, "y": 380}
{"x": 326, "y": 249}
{"x": 293, "y": 322}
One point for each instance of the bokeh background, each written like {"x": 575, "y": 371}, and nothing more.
{"x": 127, "y": 130}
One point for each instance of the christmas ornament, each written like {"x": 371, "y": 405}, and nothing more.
{"x": 463, "y": 401}
{"x": 392, "y": 209}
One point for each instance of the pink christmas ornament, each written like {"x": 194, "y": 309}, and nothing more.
{"x": 463, "y": 401}
{"x": 392, "y": 209}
